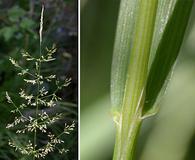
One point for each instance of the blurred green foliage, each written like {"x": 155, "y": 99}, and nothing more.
{"x": 98, "y": 22}
{"x": 97, "y": 37}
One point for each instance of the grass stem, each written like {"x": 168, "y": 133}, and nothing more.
{"x": 130, "y": 116}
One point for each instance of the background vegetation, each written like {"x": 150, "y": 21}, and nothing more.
{"x": 19, "y": 25}
{"x": 170, "y": 134}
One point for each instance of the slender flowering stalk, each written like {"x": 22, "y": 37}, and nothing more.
{"x": 41, "y": 25}
{"x": 38, "y": 68}
{"x": 39, "y": 121}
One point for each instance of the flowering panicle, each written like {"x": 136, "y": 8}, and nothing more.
{"x": 38, "y": 121}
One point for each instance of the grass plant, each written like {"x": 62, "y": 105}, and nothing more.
{"x": 148, "y": 38}
{"x": 38, "y": 99}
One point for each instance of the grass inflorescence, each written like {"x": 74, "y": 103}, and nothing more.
{"x": 38, "y": 99}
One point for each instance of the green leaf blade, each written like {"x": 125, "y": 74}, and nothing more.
{"x": 167, "y": 52}
{"x": 122, "y": 47}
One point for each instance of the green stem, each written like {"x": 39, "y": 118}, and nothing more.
{"x": 37, "y": 97}
{"x": 38, "y": 80}
{"x": 128, "y": 153}
{"x": 129, "y": 119}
